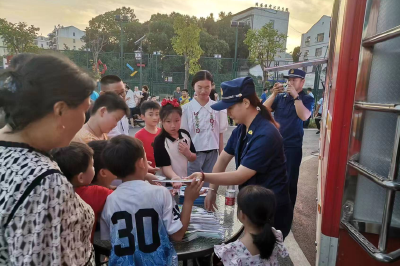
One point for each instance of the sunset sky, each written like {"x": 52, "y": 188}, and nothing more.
{"x": 47, "y": 13}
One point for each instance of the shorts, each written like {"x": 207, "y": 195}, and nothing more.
{"x": 134, "y": 111}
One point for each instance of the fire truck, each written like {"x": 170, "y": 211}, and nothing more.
{"x": 358, "y": 213}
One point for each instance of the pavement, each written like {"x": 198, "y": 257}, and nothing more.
{"x": 301, "y": 240}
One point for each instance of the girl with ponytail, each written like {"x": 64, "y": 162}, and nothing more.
{"x": 257, "y": 147}
{"x": 261, "y": 242}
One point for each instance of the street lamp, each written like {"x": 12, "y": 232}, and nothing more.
{"x": 236, "y": 24}
{"x": 139, "y": 56}
{"x": 217, "y": 56}
{"x": 121, "y": 19}
{"x": 156, "y": 53}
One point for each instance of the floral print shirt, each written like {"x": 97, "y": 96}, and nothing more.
{"x": 236, "y": 254}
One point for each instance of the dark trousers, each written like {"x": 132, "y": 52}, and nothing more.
{"x": 230, "y": 120}
{"x": 293, "y": 161}
{"x": 306, "y": 123}
{"x": 283, "y": 218}
{"x": 318, "y": 121}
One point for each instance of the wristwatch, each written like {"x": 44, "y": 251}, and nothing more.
{"x": 297, "y": 98}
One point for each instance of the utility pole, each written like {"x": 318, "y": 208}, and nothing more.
{"x": 122, "y": 20}
{"x": 236, "y": 24}
{"x": 141, "y": 64}
{"x": 139, "y": 56}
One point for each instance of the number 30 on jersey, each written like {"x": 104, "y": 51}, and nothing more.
{"x": 127, "y": 231}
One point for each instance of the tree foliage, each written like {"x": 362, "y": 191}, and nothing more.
{"x": 227, "y": 34}
{"x": 186, "y": 43}
{"x": 296, "y": 54}
{"x": 160, "y": 32}
{"x": 105, "y": 27}
{"x": 211, "y": 45}
{"x": 264, "y": 44}
{"x": 19, "y": 37}
{"x": 104, "y": 33}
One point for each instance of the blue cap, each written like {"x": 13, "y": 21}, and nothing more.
{"x": 296, "y": 73}
{"x": 233, "y": 91}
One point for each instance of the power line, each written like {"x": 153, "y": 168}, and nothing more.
{"x": 295, "y": 29}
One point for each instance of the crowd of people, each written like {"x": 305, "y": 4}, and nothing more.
{"x": 63, "y": 175}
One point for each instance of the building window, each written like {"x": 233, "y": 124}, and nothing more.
{"x": 307, "y": 42}
{"x": 320, "y": 37}
{"x": 248, "y": 22}
{"x": 273, "y": 23}
{"x": 74, "y": 47}
{"x": 41, "y": 45}
{"x": 73, "y": 34}
{"x": 306, "y": 52}
{"x": 318, "y": 51}
{"x": 73, "y": 40}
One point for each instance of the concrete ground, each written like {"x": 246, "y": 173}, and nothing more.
{"x": 301, "y": 241}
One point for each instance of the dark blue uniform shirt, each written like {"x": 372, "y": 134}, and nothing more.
{"x": 261, "y": 149}
{"x": 291, "y": 126}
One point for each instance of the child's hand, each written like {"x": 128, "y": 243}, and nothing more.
{"x": 176, "y": 185}
{"x": 184, "y": 149}
{"x": 151, "y": 169}
{"x": 152, "y": 179}
{"x": 192, "y": 191}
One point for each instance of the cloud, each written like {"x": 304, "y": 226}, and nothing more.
{"x": 47, "y": 13}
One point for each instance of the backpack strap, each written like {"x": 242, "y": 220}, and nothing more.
{"x": 28, "y": 191}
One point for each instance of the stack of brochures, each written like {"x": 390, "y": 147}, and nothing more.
{"x": 203, "y": 224}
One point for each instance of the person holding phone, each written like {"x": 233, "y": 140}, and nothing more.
{"x": 291, "y": 106}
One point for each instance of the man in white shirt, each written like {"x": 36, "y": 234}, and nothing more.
{"x": 130, "y": 101}
{"x": 138, "y": 95}
{"x": 114, "y": 83}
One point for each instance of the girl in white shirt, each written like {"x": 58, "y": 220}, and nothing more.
{"x": 205, "y": 125}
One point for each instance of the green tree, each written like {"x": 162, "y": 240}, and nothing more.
{"x": 296, "y": 54}
{"x": 210, "y": 26}
{"x": 264, "y": 44}
{"x": 103, "y": 33}
{"x": 161, "y": 31}
{"x": 211, "y": 45}
{"x": 106, "y": 28}
{"x": 19, "y": 37}
{"x": 186, "y": 43}
{"x": 226, "y": 33}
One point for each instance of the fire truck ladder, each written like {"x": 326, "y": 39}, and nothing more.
{"x": 389, "y": 183}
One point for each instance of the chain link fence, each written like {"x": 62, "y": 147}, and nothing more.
{"x": 163, "y": 73}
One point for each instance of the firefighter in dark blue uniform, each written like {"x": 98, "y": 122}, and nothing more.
{"x": 257, "y": 148}
{"x": 291, "y": 106}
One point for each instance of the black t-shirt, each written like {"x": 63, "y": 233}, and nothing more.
{"x": 166, "y": 151}
{"x": 145, "y": 97}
